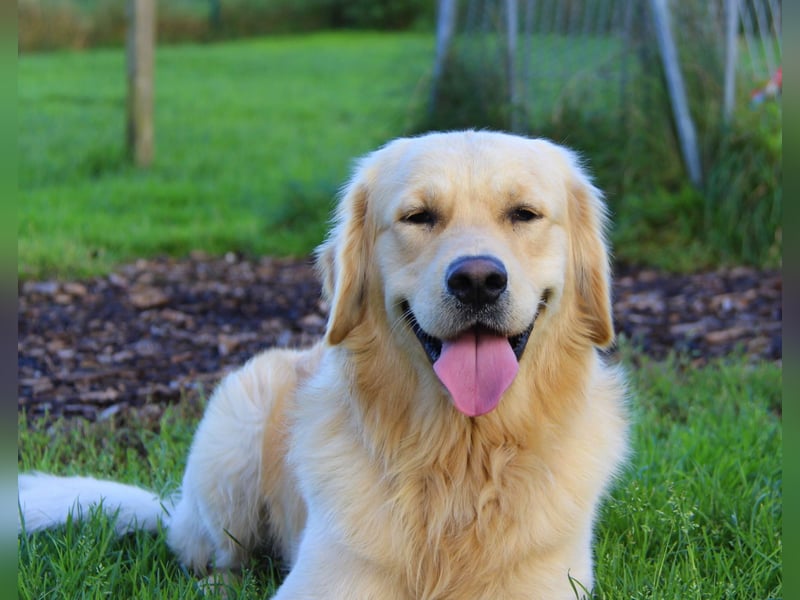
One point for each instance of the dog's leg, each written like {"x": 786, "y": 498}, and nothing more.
{"x": 337, "y": 575}
{"x": 224, "y": 505}
{"x": 328, "y": 569}
{"x": 219, "y": 504}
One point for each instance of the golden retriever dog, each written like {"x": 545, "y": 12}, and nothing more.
{"x": 454, "y": 432}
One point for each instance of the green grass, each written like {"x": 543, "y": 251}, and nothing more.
{"x": 253, "y": 139}
{"x": 697, "y": 514}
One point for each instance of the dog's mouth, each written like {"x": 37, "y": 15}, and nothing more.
{"x": 433, "y": 345}
{"x": 477, "y": 365}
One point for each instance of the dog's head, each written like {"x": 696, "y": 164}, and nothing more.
{"x": 465, "y": 246}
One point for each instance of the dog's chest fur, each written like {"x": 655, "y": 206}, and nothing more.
{"x": 458, "y": 503}
{"x": 460, "y": 517}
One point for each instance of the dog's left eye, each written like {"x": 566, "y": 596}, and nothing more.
{"x": 523, "y": 214}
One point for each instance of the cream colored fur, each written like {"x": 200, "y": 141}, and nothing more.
{"x": 350, "y": 457}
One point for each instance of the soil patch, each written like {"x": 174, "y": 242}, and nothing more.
{"x": 156, "y": 331}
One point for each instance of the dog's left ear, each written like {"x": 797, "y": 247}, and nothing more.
{"x": 343, "y": 259}
{"x": 590, "y": 258}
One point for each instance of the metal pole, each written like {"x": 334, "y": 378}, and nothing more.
{"x": 731, "y": 57}
{"x": 677, "y": 91}
{"x": 764, "y": 33}
{"x": 445, "y": 26}
{"x": 512, "y": 27}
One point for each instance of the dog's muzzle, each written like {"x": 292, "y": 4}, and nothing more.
{"x": 479, "y": 363}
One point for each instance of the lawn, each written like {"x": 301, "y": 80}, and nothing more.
{"x": 697, "y": 513}
{"x": 253, "y": 140}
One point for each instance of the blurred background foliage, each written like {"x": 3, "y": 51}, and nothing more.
{"x": 76, "y": 24}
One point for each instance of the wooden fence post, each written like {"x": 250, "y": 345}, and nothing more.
{"x": 140, "y": 58}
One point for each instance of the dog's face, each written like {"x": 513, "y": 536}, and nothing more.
{"x": 469, "y": 243}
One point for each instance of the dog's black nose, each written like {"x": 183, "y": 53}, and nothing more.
{"x": 476, "y": 280}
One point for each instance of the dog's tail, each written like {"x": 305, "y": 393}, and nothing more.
{"x": 47, "y": 501}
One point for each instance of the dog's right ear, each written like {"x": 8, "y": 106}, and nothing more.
{"x": 343, "y": 259}
{"x": 590, "y": 258}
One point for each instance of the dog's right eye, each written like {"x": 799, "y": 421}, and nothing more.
{"x": 421, "y": 217}
{"x": 523, "y": 214}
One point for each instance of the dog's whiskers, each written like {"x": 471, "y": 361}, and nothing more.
{"x": 402, "y": 319}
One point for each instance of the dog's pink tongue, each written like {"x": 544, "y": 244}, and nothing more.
{"x": 476, "y": 368}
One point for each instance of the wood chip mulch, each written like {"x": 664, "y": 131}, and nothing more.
{"x": 156, "y": 331}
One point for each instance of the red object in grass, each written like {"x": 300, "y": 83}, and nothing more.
{"x": 771, "y": 89}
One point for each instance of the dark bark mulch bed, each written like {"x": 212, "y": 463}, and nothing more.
{"x": 159, "y": 330}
